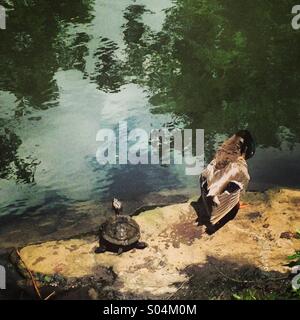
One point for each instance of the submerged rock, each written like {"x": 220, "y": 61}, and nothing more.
{"x": 176, "y": 244}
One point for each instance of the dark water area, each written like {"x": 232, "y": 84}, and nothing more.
{"x": 69, "y": 68}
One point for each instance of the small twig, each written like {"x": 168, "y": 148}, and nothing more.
{"x": 179, "y": 288}
{"x": 50, "y": 295}
{"x": 232, "y": 279}
{"x": 31, "y": 276}
{"x": 247, "y": 281}
{"x": 277, "y": 279}
{"x": 220, "y": 295}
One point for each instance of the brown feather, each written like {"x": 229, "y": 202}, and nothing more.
{"x": 229, "y": 152}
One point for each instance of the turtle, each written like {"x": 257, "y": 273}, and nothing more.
{"x": 119, "y": 233}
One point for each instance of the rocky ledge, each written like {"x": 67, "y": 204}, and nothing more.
{"x": 253, "y": 245}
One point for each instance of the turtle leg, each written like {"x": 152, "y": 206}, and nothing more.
{"x": 141, "y": 245}
{"x": 100, "y": 249}
{"x": 120, "y": 251}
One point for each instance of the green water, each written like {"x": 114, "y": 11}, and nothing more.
{"x": 69, "y": 68}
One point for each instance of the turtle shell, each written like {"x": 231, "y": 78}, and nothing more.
{"x": 121, "y": 230}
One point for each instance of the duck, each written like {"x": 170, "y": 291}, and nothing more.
{"x": 226, "y": 177}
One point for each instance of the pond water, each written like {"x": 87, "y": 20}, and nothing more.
{"x": 68, "y": 69}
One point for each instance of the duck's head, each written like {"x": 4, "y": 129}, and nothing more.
{"x": 248, "y": 145}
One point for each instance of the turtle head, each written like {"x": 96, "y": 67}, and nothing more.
{"x": 248, "y": 145}
{"x": 116, "y": 205}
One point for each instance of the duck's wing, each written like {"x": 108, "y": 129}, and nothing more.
{"x": 224, "y": 187}
{"x": 207, "y": 175}
{"x": 218, "y": 180}
{"x": 227, "y": 201}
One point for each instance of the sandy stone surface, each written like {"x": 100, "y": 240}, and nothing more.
{"x": 175, "y": 241}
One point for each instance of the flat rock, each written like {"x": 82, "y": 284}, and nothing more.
{"x": 176, "y": 242}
